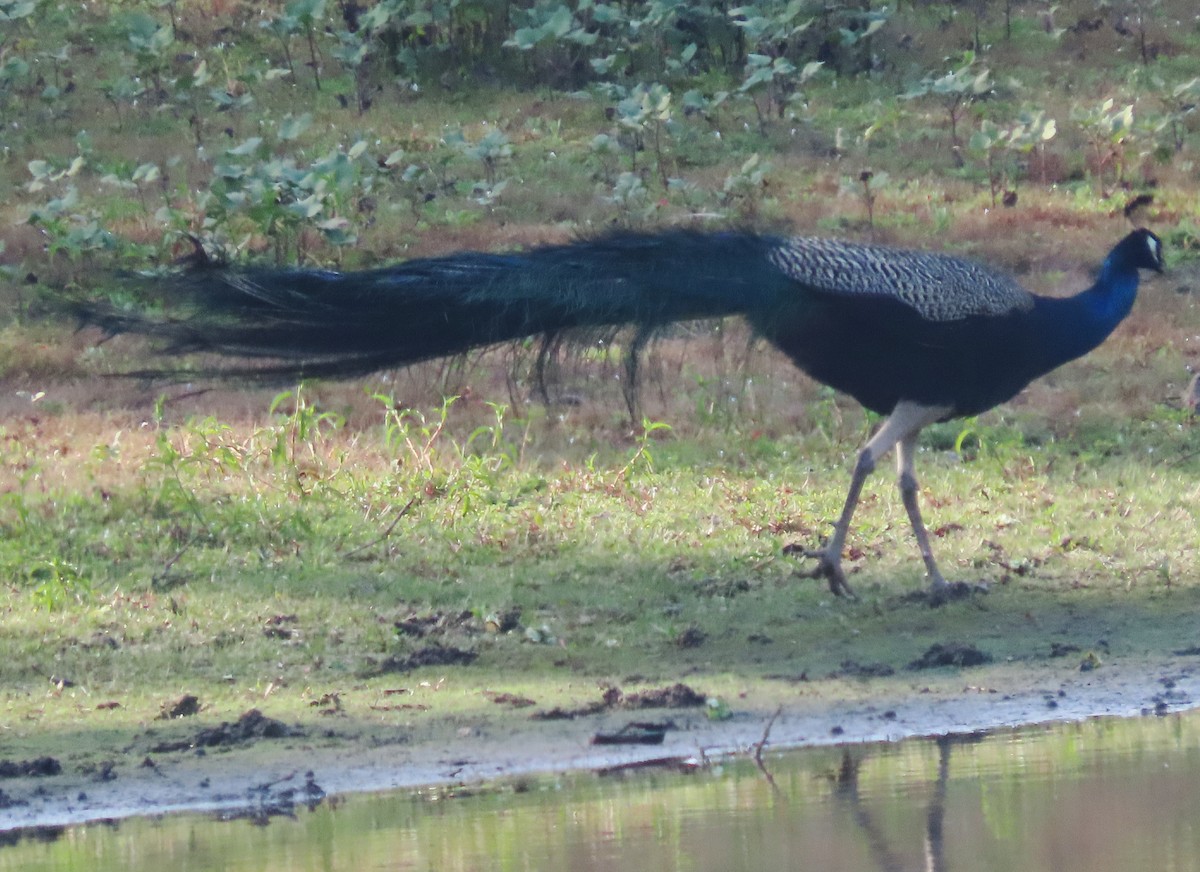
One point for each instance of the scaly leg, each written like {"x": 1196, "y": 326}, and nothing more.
{"x": 829, "y": 558}
{"x": 905, "y": 422}
{"x": 939, "y": 588}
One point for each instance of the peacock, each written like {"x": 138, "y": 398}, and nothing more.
{"x": 915, "y": 336}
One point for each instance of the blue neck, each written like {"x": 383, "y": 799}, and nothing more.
{"x": 1073, "y": 326}
{"x": 1111, "y": 297}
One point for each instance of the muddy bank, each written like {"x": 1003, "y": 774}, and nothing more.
{"x": 257, "y": 766}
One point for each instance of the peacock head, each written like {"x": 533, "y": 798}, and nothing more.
{"x": 1141, "y": 249}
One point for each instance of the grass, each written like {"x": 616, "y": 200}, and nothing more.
{"x": 262, "y": 550}
{"x": 271, "y": 564}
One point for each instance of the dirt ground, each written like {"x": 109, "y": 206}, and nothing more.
{"x": 258, "y": 767}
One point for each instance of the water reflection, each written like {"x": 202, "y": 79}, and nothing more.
{"x": 1096, "y": 796}
{"x": 864, "y": 815}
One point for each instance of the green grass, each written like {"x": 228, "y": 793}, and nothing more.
{"x": 222, "y": 564}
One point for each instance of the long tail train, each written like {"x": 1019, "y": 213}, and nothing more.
{"x": 320, "y": 323}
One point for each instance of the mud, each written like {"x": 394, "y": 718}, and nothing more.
{"x": 255, "y": 767}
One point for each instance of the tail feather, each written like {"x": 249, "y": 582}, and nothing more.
{"x": 324, "y": 323}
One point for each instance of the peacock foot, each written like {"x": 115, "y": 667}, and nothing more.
{"x": 829, "y": 567}
{"x": 941, "y": 591}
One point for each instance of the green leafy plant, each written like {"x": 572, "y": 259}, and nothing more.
{"x": 16, "y": 21}
{"x": 745, "y": 189}
{"x": 300, "y": 427}
{"x": 299, "y": 18}
{"x": 1030, "y": 134}
{"x": 643, "y": 116}
{"x": 606, "y": 150}
{"x": 771, "y": 78}
{"x": 123, "y": 90}
{"x": 280, "y": 197}
{"x": 632, "y": 199}
{"x": 955, "y": 90}
{"x": 992, "y": 144}
{"x": 138, "y": 180}
{"x": 1109, "y": 131}
{"x": 554, "y": 38}
{"x": 73, "y": 227}
{"x": 151, "y": 43}
{"x": 1173, "y": 126}
{"x": 52, "y": 92}
{"x": 57, "y": 583}
{"x": 492, "y": 150}
{"x": 416, "y": 184}
{"x": 642, "y": 459}
{"x": 411, "y": 429}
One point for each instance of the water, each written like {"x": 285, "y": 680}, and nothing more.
{"x": 1096, "y": 796}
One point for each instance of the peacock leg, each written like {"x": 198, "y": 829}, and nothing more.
{"x": 829, "y": 558}
{"x": 939, "y": 588}
{"x": 905, "y": 422}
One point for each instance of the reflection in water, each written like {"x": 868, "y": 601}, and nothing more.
{"x": 32, "y": 834}
{"x": 847, "y": 792}
{"x": 877, "y": 841}
{"x": 1096, "y": 796}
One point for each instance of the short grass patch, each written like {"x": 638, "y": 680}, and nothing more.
{"x": 401, "y": 568}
